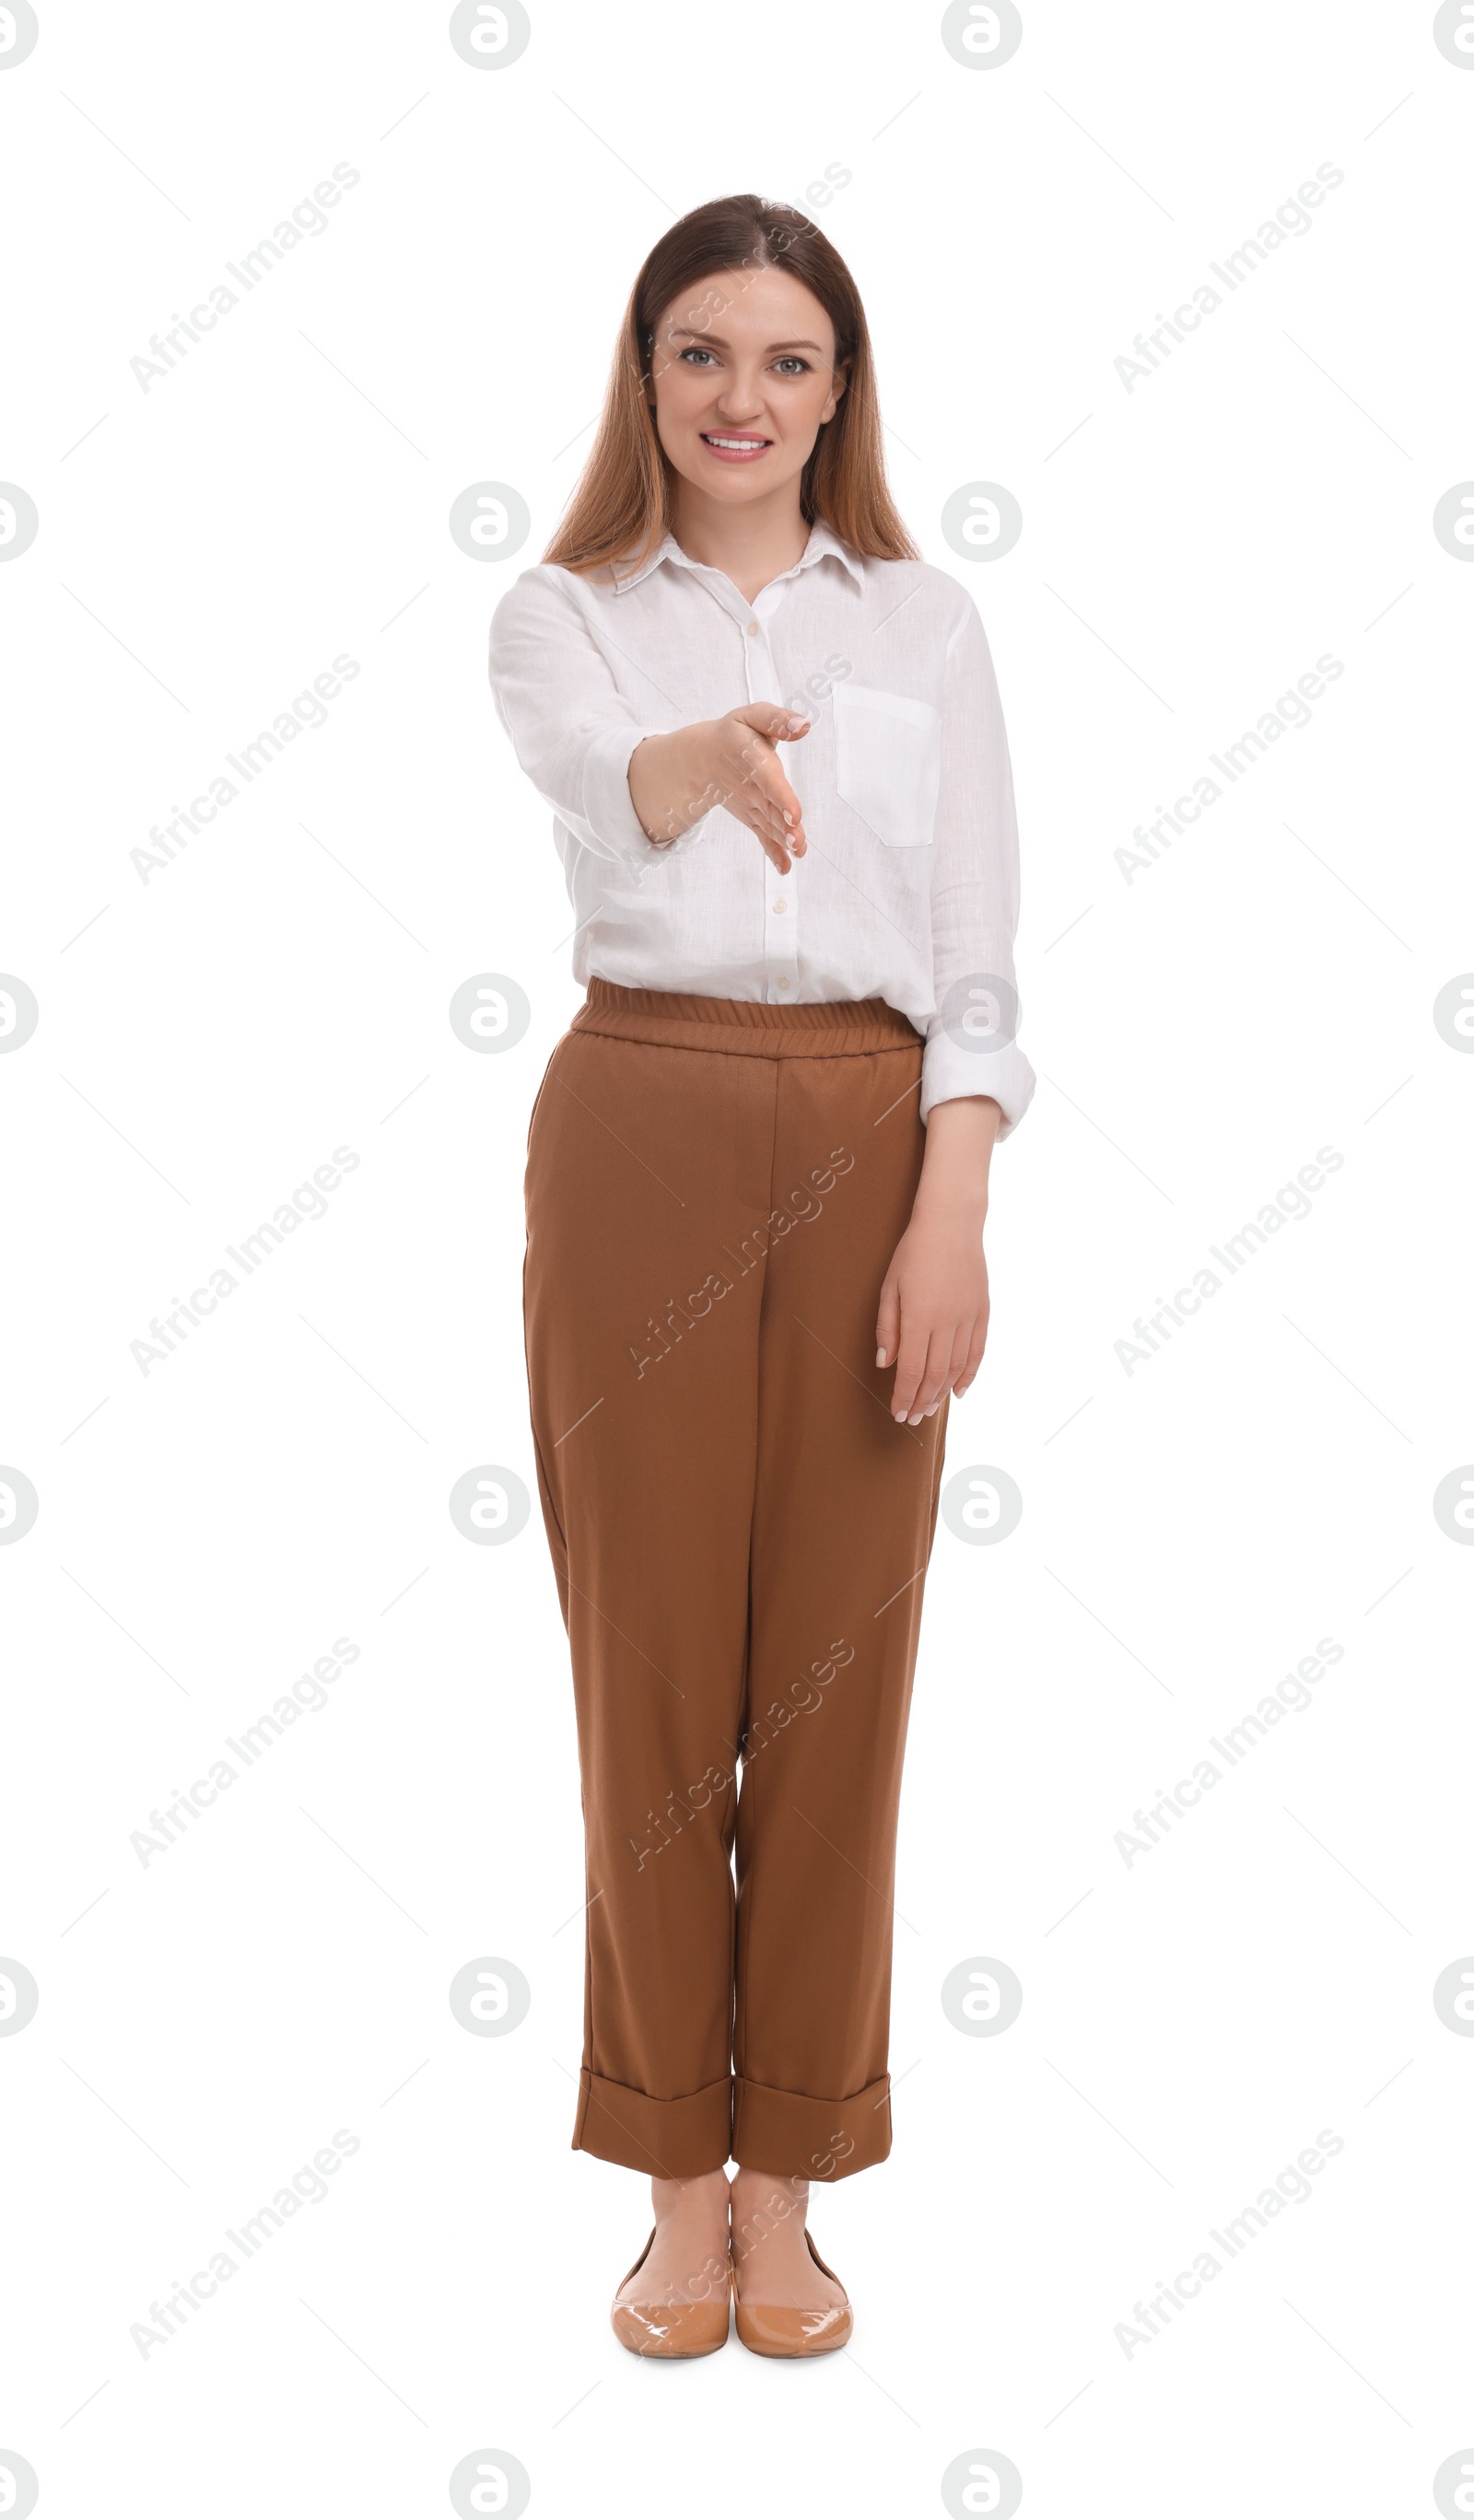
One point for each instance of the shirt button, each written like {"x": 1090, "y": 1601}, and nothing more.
{"x": 752, "y": 629}
{"x": 780, "y": 905}
{"x": 782, "y": 981}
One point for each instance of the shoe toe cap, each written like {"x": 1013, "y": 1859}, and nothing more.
{"x": 767, "y": 2328}
{"x": 676, "y": 2332}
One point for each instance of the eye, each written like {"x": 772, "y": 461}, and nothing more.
{"x": 792, "y": 364}
{"x": 695, "y": 353}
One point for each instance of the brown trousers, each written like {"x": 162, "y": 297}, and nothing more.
{"x": 740, "y": 1531}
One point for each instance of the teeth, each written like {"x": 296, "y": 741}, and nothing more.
{"x": 741, "y": 445}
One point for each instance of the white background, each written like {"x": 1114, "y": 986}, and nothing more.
{"x": 207, "y": 1037}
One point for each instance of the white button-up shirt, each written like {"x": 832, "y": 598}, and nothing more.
{"x": 909, "y": 887}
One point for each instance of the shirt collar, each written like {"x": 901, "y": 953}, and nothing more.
{"x": 822, "y": 544}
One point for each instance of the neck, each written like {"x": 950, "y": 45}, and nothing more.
{"x": 751, "y": 545}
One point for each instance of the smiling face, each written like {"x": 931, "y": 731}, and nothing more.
{"x": 744, "y": 378}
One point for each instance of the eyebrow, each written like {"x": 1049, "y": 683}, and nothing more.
{"x": 716, "y": 341}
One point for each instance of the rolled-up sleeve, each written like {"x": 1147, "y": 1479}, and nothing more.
{"x": 572, "y": 732}
{"x": 971, "y": 1041}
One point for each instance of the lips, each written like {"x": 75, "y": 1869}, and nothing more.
{"x": 734, "y": 446}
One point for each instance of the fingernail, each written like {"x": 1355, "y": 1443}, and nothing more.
{"x": 880, "y": 1355}
{"x": 788, "y": 818}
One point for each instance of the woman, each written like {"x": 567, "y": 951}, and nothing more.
{"x": 756, "y": 1179}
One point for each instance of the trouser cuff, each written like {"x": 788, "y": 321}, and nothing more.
{"x": 799, "y": 2137}
{"x": 665, "y": 2138}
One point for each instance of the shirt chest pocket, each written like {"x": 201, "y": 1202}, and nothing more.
{"x": 888, "y": 760}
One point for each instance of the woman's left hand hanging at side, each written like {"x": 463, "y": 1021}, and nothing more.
{"x": 932, "y": 1323}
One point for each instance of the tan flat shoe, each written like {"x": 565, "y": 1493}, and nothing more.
{"x": 770, "y": 2328}
{"x": 675, "y": 2331}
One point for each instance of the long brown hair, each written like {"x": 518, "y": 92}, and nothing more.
{"x": 622, "y": 507}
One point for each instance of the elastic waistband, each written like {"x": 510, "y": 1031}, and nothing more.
{"x": 833, "y": 1028}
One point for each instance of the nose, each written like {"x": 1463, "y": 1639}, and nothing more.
{"x": 741, "y": 397}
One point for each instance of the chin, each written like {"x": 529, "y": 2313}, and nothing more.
{"x": 733, "y": 480}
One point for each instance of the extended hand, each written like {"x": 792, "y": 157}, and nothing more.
{"x": 730, "y": 761}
